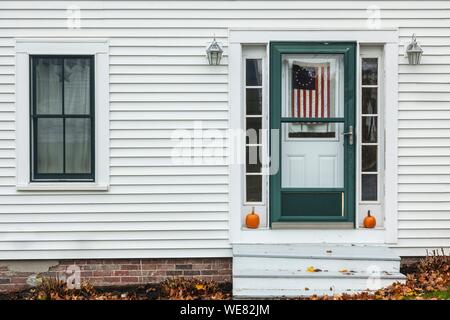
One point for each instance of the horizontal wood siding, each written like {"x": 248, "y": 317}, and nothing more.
{"x": 160, "y": 81}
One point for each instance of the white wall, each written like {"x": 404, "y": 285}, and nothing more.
{"x": 161, "y": 81}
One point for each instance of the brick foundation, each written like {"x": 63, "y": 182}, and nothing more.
{"x": 18, "y": 275}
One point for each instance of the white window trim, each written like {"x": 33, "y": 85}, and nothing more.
{"x": 257, "y": 52}
{"x": 377, "y": 206}
{"x": 97, "y": 47}
{"x": 389, "y": 38}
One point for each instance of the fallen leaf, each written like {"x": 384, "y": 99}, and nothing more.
{"x": 200, "y": 286}
{"x": 312, "y": 269}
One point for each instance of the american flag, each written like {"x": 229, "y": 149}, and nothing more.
{"x": 311, "y": 90}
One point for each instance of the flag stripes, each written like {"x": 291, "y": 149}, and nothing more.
{"x": 315, "y": 102}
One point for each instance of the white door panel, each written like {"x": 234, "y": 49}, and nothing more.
{"x": 313, "y": 163}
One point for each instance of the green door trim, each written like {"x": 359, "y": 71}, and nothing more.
{"x": 348, "y": 50}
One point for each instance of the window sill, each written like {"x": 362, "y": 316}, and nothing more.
{"x": 371, "y": 229}
{"x": 62, "y": 187}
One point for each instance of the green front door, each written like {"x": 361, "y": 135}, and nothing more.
{"x": 312, "y": 121}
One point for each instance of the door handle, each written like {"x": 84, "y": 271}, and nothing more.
{"x": 350, "y": 135}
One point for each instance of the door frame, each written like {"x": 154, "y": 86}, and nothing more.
{"x": 348, "y": 49}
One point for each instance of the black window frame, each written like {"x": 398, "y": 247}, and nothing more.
{"x": 60, "y": 177}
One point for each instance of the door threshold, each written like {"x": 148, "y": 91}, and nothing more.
{"x": 313, "y": 225}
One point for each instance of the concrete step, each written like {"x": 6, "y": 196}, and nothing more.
{"x": 301, "y": 264}
{"x": 279, "y": 283}
{"x": 278, "y": 270}
{"x": 298, "y": 257}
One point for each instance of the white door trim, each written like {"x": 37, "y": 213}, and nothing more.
{"x": 386, "y": 37}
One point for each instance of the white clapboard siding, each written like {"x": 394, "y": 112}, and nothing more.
{"x": 160, "y": 82}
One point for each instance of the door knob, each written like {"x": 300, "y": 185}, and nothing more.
{"x": 350, "y": 135}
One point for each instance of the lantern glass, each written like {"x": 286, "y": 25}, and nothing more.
{"x": 414, "y": 57}
{"x": 214, "y": 58}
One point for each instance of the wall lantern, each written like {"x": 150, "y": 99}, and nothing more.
{"x": 214, "y": 53}
{"x": 414, "y": 51}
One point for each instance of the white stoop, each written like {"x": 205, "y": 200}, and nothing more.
{"x": 280, "y": 270}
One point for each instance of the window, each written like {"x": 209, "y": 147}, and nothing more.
{"x": 62, "y": 118}
{"x": 371, "y": 146}
{"x": 253, "y": 97}
{"x": 313, "y": 89}
{"x": 253, "y": 117}
{"x": 77, "y": 109}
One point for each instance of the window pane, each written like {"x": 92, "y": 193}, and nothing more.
{"x": 369, "y": 187}
{"x": 49, "y": 145}
{"x": 369, "y": 71}
{"x": 78, "y": 145}
{"x": 311, "y": 130}
{"x": 254, "y": 101}
{"x": 253, "y": 163}
{"x": 254, "y": 188}
{"x": 253, "y": 72}
{"x": 369, "y": 158}
{"x": 369, "y": 129}
{"x": 369, "y": 100}
{"x": 315, "y": 86}
{"x": 48, "y": 86}
{"x": 77, "y": 86}
{"x": 253, "y": 130}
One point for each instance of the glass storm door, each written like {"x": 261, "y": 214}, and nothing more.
{"x": 313, "y": 111}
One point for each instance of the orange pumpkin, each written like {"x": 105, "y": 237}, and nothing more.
{"x": 252, "y": 220}
{"x": 370, "y": 221}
